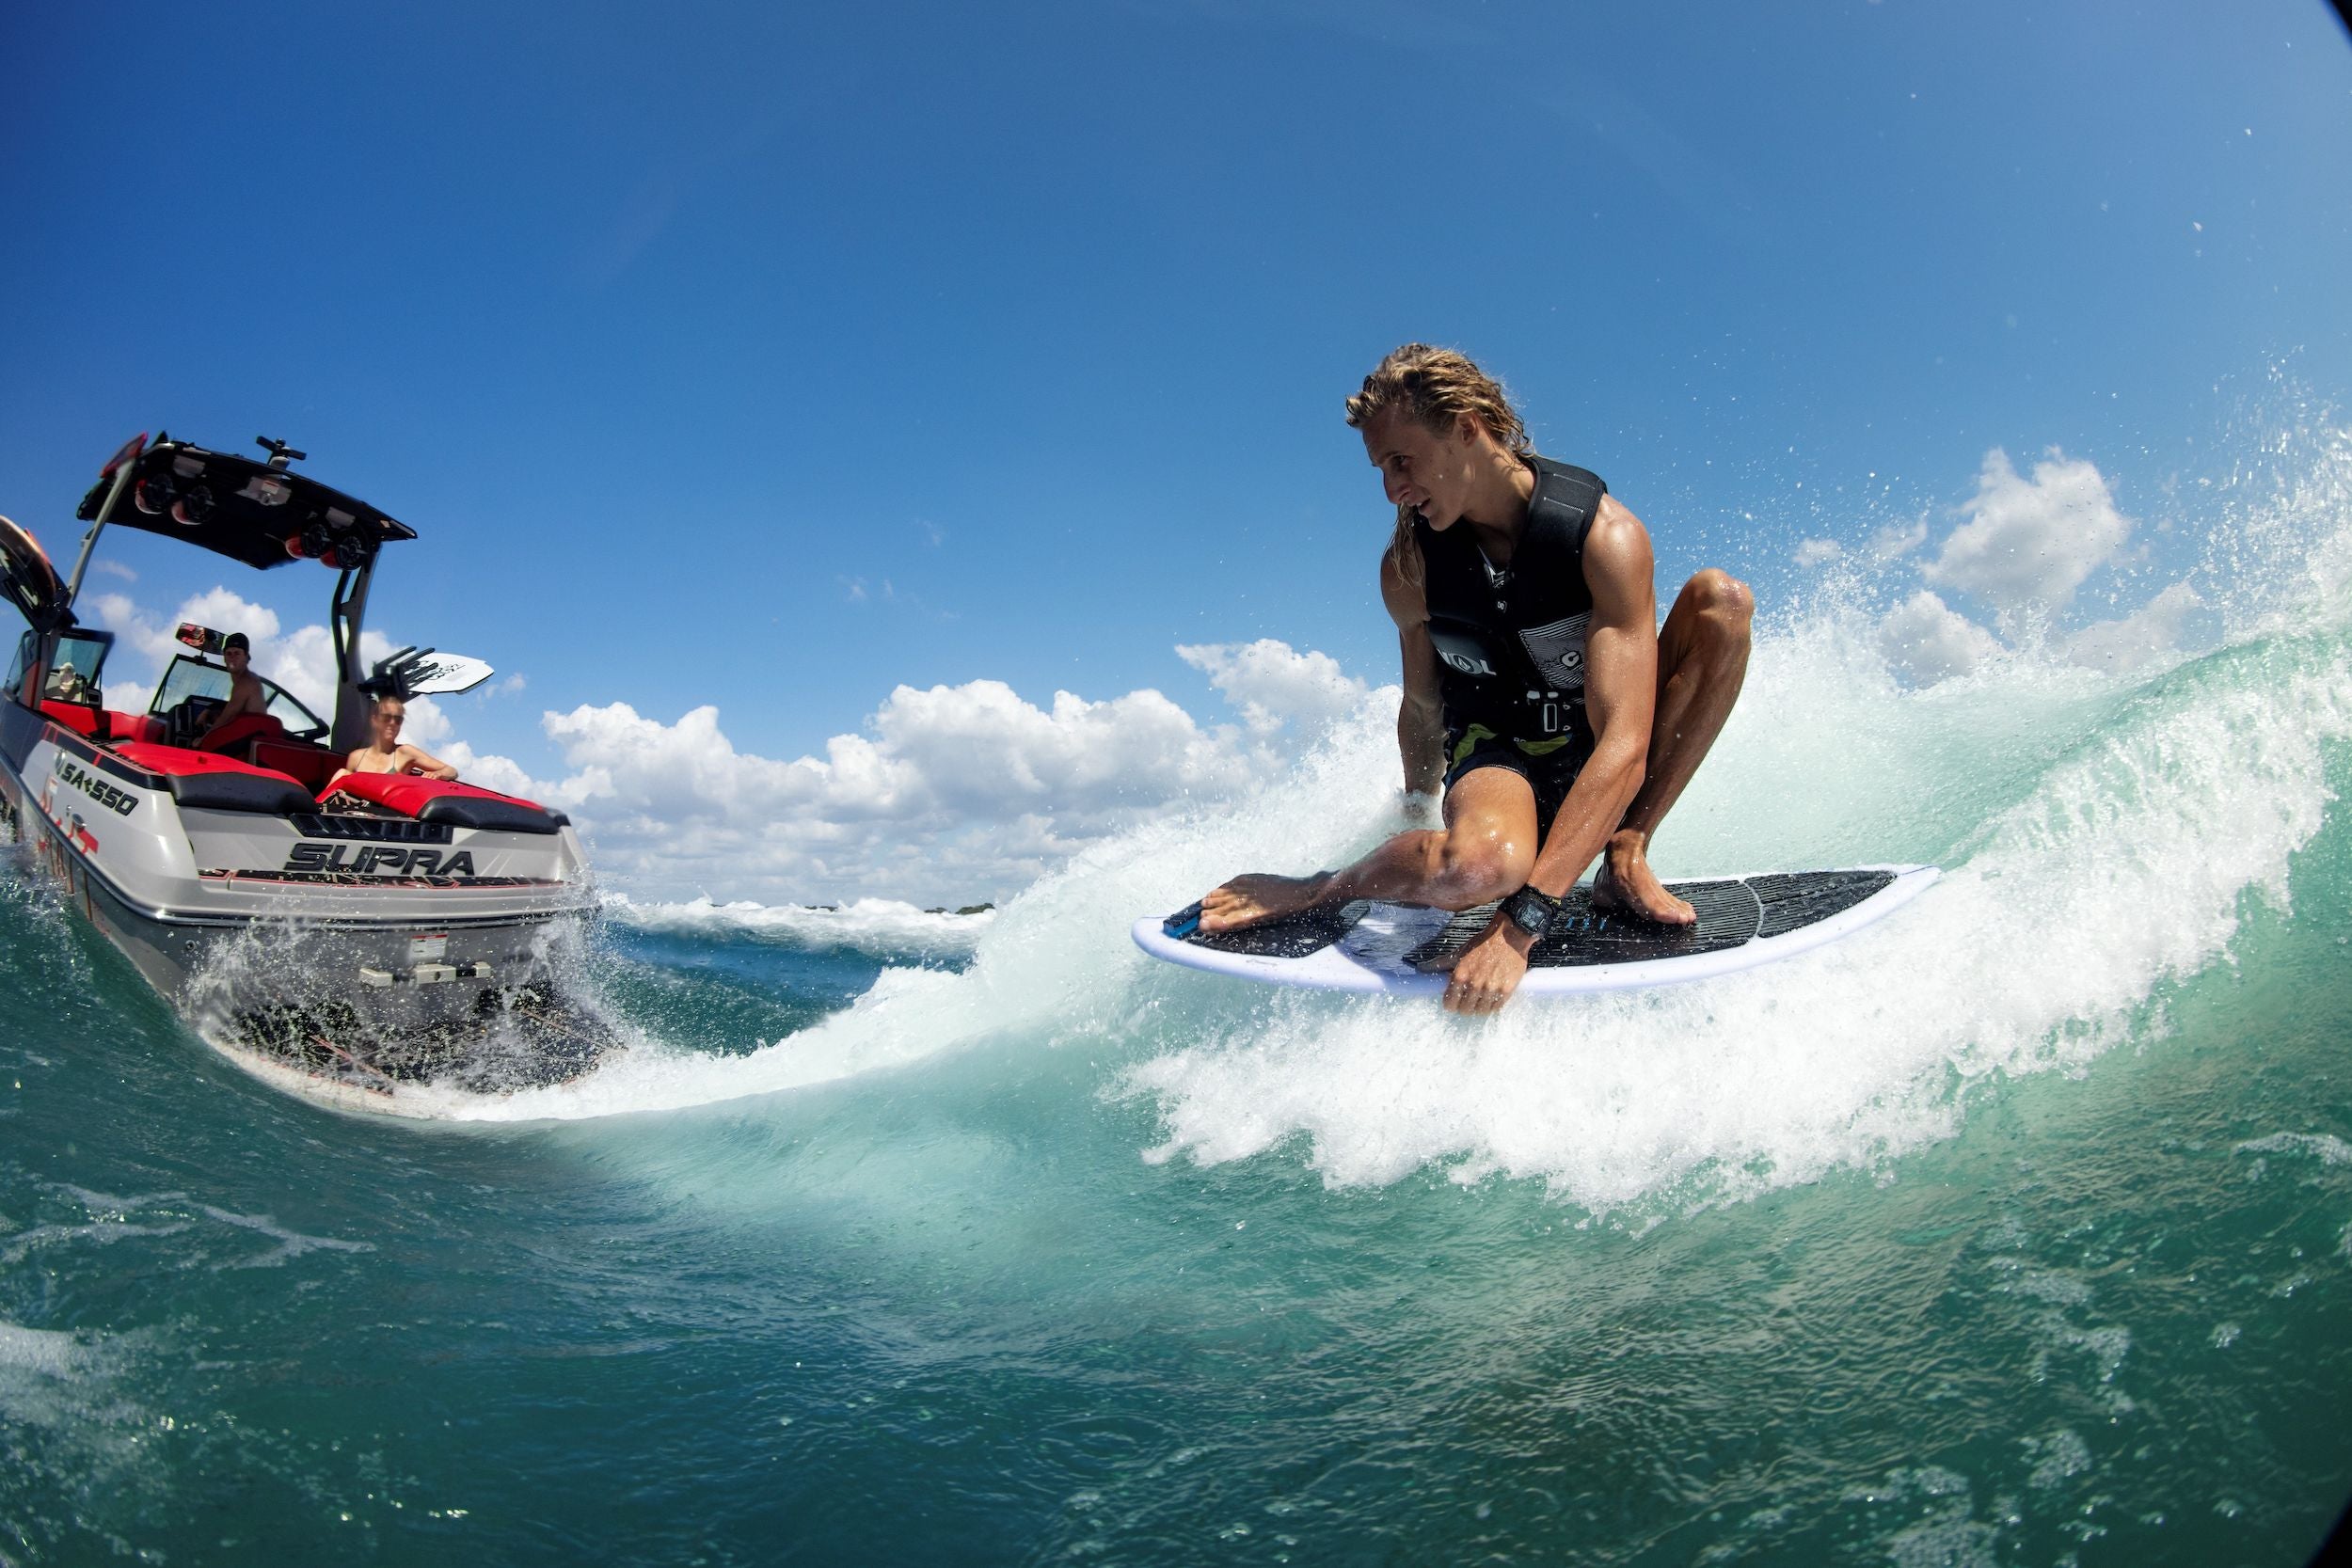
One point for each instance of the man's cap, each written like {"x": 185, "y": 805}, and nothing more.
{"x": 235, "y": 640}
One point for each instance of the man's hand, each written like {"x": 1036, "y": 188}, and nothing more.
{"x": 1490, "y": 968}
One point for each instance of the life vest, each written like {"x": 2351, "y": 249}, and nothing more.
{"x": 1511, "y": 642}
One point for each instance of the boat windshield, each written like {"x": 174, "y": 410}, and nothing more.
{"x": 73, "y": 674}
{"x": 192, "y": 677}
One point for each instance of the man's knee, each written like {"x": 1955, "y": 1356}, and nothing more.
{"x": 1477, "y": 867}
{"x": 1723, "y": 604}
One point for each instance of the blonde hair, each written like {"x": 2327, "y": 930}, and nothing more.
{"x": 1437, "y": 386}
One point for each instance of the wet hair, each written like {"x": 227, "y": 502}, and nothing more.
{"x": 1437, "y": 386}
{"x": 235, "y": 642}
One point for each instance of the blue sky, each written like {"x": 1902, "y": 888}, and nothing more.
{"x": 773, "y": 358}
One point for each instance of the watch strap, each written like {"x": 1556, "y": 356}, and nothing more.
{"x": 1532, "y": 911}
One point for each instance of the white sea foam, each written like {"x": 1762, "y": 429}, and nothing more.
{"x": 882, "y": 927}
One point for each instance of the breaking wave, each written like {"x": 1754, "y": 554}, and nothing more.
{"x": 882, "y": 927}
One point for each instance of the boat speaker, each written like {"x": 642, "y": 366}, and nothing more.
{"x": 191, "y": 509}
{"x": 156, "y": 493}
{"x": 351, "y": 551}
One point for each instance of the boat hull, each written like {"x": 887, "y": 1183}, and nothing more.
{"x": 331, "y": 949}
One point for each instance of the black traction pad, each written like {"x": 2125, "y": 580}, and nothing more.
{"x": 1292, "y": 937}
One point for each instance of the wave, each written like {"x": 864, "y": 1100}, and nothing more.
{"x": 881, "y": 926}
{"x": 2105, "y": 836}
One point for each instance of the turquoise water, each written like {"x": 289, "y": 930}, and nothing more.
{"x": 2015, "y": 1231}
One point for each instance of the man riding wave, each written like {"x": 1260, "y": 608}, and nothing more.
{"x": 1562, "y": 723}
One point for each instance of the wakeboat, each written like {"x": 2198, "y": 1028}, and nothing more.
{"x": 357, "y": 938}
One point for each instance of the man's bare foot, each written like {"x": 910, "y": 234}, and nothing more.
{"x": 1255, "y": 899}
{"x": 1626, "y": 884}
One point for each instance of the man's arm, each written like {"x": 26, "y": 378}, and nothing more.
{"x": 245, "y": 696}
{"x": 1420, "y": 716}
{"x": 1620, "y": 692}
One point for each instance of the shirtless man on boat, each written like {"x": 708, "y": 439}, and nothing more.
{"x": 246, "y": 699}
{"x": 1539, "y": 692}
{"x": 387, "y": 753}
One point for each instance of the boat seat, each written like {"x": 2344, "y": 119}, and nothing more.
{"x": 132, "y": 727}
{"x": 214, "y": 783}
{"x": 312, "y": 765}
{"x": 83, "y": 719}
{"x": 243, "y": 727}
{"x": 460, "y": 805}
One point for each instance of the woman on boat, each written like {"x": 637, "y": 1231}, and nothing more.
{"x": 388, "y": 754}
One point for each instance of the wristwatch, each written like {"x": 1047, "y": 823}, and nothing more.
{"x": 1532, "y": 912}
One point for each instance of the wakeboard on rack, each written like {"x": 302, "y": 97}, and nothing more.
{"x": 1401, "y": 949}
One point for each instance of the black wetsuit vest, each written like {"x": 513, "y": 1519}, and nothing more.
{"x": 1511, "y": 644}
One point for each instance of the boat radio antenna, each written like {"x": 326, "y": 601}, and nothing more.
{"x": 280, "y": 453}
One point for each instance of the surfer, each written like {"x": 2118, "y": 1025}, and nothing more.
{"x": 387, "y": 753}
{"x": 1539, "y": 692}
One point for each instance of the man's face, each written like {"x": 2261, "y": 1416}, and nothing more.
{"x": 237, "y": 659}
{"x": 1421, "y": 467}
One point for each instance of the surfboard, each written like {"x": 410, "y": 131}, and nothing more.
{"x": 1404, "y": 950}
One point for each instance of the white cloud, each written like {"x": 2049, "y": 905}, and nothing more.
{"x": 1818, "y": 552}
{"x": 1271, "y": 683}
{"x": 946, "y": 793}
{"x": 113, "y": 568}
{"x": 2029, "y": 544}
{"x": 2147, "y": 633}
{"x": 1896, "y": 540}
{"x": 1930, "y": 640}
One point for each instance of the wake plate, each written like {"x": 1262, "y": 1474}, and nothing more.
{"x": 1400, "y": 949}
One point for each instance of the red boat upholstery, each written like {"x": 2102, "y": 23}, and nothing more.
{"x": 460, "y": 805}
{"x": 133, "y": 726}
{"x": 78, "y": 717}
{"x": 218, "y": 783}
{"x": 243, "y": 727}
{"x": 312, "y": 765}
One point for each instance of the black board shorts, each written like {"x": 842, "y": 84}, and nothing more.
{"x": 1549, "y": 772}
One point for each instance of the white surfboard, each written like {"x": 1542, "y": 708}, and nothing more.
{"x": 1402, "y": 950}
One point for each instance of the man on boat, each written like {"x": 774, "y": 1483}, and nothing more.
{"x": 245, "y": 700}
{"x": 387, "y": 753}
{"x": 1562, "y": 723}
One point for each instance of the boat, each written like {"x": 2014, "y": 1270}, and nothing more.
{"x": 372, "y": 942}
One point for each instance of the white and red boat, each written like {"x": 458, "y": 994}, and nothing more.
{"x": 357, "y": 942}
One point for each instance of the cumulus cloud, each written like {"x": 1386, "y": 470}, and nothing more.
{"x": 2147, "y": 633}
{"x": 945, "y": 793}
{"x": 970, "y": 784}
{"x": 1272, "y": 683}
{"x": 1896, "y": 540}
{"x": 1818, "y": 552}
{"x": 2028, "y": 544}
{"x": 1930, "y": 640}
{"x": 949, "y": 792}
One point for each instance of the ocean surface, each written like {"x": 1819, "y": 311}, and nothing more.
{"x": 2014, "y": 1231}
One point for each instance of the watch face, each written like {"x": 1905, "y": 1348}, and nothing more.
{"x": 1529, "y": 912}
